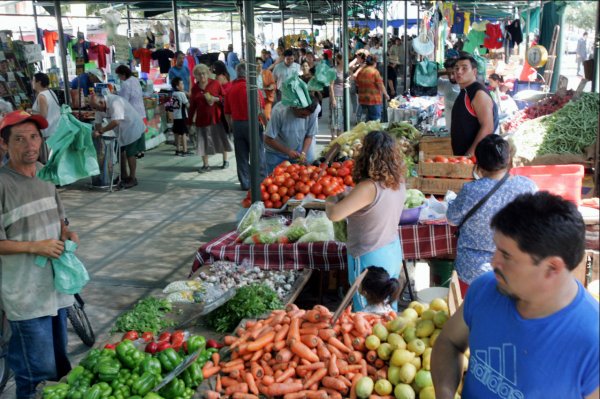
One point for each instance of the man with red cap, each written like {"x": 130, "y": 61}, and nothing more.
{"x": 32, "y": 223}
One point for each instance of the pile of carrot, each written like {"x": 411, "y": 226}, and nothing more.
{"x": 298, "y": 354}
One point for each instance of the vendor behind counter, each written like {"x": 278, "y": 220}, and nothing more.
{"x": 85, "y": 82}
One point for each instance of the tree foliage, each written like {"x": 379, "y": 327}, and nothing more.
{"x": 582, "y": 14}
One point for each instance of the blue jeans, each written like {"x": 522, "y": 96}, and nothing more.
{"x": 388, "y": 257}
{"x": 37, "y": 351}
{"x": 373, "y": 112}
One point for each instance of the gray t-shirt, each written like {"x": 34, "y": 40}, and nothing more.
{"x": 30, "y": 210}
{"x": 291, "y": 131}
{"x": 132, "y": 125}
{"x": 282, "y": 72}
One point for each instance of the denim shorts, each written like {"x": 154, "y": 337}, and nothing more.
{"x": 373, "y": 112}
{"x": 37, "y": 351}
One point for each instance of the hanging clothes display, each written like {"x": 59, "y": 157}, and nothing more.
{"x": 493, "y": 39}
{"x": 448, "y": 13}
{"x": 40, "y": 38}
{"x": 467, "y": 26}
{"x": 164, "y": 57}
{"x": 100, "y": 52}
{"x": 80, "y": 50}
{"x": 136, "y": 41}
{"x": 184, "y": 23}
{"x": 50, "y": 39}
{"x": 144, "y": 55}
{"x": 473, "y": 41}
{"x": 514, "y": 29}
{"x": 458, "y": 26}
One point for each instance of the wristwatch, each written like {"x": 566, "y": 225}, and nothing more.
{"x": 66, "y": 221}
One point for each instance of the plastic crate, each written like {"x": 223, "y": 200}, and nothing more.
{"x": 563, "y": 180}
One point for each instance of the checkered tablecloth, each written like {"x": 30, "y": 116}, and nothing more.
{"x": 418, "y": 242}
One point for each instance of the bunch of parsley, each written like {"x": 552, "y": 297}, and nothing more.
{"x": 147, "y": 315}
{"x": 249, "y": 301}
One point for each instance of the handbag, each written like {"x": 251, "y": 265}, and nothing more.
{"x": 480, "y": 204}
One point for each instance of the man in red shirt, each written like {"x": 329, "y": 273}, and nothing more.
{"x": 236, "y": 112}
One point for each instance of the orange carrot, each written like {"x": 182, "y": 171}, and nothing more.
{"x": 303, "y": 351}
{"x": 322, "y": 351}
{"x": 309, "y": 331}
{"x": 355, "y": 356}
{"x": 285, "y": 375}
{"x": 347, "y": 339}
{"x": 332, "y": 393}
{"x": 259, "y": 332}
{"x": 284, "y": 355}
{"x": 247, "y": 356}
{"x": 232, "y": 362}
{"x": 354, "y": 382}
{"x": 358, "y": 343}
{"x": 334, "y": 371}
{"x": 240, "y": 331}
{"x": 310, "y": 340}
{"x": 327, "y": 333}
{"x": 228, "y": 381}
{"x": 267, "y": 370}
{"x": 363, "y": 363}
{"x": 249, "y": 378}
{"x": 373, "y": 396}
{"x": 334, "y": 383}
{"x": 241, "y": 387}
{"x": 332, "y": 349}
{"x": 262, "y": 341}
{"x": 268, "y": 380}
{"x": 257, "y": 355}
{"x": 360, "y": 324}
{"x": 239, "y": 366}
{"x": 316, "y": 377}
{"x": 345, "y": 380}
{"x": 210, "y": 371}
{"x": 267, "y": 356}
{"x": 318, "y": 326}
{"x": 229, "y": 339}
{"x": 338, "y": 344}
{"x": 282, "y": 333}
{"x": 371, "y": 356}
{"x": 219, "y": 386}
{"x": 379, "y": 363}
{"x": 323, "y": 310}
{"x": 294, "y": 331}
{"x": 235, "y": 374}
{"x": 279, "y": 345}
{"x": 212, "y": 395}
{"x": 240, "y": 395}
{"x": 282, "y": 388}
{"x": 306, "y": 395}
{"x": 252, "y": 323}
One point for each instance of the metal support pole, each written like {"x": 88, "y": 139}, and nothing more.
{"x": 405, "y": 42}
{"x": 384, "y": 115}
{"x": 418, "y": 19}
{"x": 175, "y": 23}
{"x": 231, "y": 27}
{"x": 596, "y": 77}
{"x": 528, "y": 30}
{"x": 63, "y": 50}
{"x": 346, "y": 74}
{"x": 129, "y": 33}
{"x": 35, "y": 21}
{"x": 282, "y": 8}
{"x": 252, "y": 90}
{"x": 241, "y": 10}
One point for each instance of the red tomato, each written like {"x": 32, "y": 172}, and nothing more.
{"x": 277, "y": 204}
{"x": 292, "y": 192}
{"x": 327, "y": 190}
{"x": 110, "y": 346}
{"x": 265, "y": 196}
{"x": 131, "y": 335}
{"x": 428, "y": 160}
{"x": 349, "y": 163}
{"x": 286, "y": 175}
{"x": 468, "y": 162}
{"x": 321, "y": 196}
{"x": 279, "y": 180}
{"x": 166, "y": 336}
{"x": 278, "y": 171}
{"x": 273, "y": 189}
{"x": 148, "y": 336}
{"x": 152, "y": 347}
{"x": 295, "y": 176}
{"x": 473, "y": 159}
{"x": 299, "y": 186}
{"x": 299, "y": 196}
{"x": 316, "y": 188}
{"x": 305, "y": 189}
{"x": 268, "y": 204}
{"x": 275, "y": 197}
{"x": 310, "y": 169}
{"x": 332, "y": 171}
{"x": 348, "y": 180}
{"x": 336, "y": 165}
{"x": 178, "y": 335}
{"x": 283, "y": 191}
{"x": 267, "y": 182}
{"x": 305, "y": 179}
{"x": 290, "y": 169}
{"x": 440, "y": 158}
{"x": 285, "y": 164}
{"x": 285, "y": 198}
{"x": 283, "y": 240}
{"x": 289, "y": 183}
{"x": 246, "y": 202}
{"x": 342, "y": 172}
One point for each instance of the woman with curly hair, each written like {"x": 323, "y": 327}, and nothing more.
{"x": 373, "y": 209}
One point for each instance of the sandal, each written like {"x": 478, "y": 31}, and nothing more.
{"x": 131, "y": 183}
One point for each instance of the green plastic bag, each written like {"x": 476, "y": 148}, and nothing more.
{"x": 73, "y": 155}
{"x": 426, "y": 73}
{"x": 70, "y": 275}
{"x": 324, "y": 75}
{"x": 481, "y": 66}
{"x": 294, "y": 93}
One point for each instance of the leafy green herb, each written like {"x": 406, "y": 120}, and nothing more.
{"x": 147, "y": 315}
{"x": 249, "y": 301}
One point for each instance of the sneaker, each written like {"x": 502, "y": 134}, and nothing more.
{"x": 203, "y": 169}
{"x": 225, "y": 165}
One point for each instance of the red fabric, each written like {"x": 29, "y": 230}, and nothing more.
{"x": 191, "y": 60}
{"x": 418, "y": 242}
{"x": 50, "y": 38}
{"x": 493, "y": 39}
{"x": 206, "y": 115}
{"x": 99, "y": 52}
{"x": 144, "y": 55}
{"x": 463, "y": 287}
{"x": 236, "y": 100}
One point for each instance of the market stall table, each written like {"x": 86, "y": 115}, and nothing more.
{"x": 418, "y": 242}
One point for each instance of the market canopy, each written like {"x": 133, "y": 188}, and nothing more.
{"x": 495, "y": 9}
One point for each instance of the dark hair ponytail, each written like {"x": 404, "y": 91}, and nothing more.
{"x": 378, "y": 287}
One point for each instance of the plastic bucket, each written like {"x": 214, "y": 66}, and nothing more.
{"x": 429, "y": 294}
{"x": 440, "y": 272}
{"x": 563, "y": 180}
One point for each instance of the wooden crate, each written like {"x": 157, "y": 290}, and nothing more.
{"x": 449, "y": 170}
{"x": 439, "y": 185}
{"x": 435, "y": 145}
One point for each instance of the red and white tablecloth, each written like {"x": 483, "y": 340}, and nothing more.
{"x": 418, "y": 242}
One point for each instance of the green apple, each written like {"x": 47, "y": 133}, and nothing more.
{"x": 407, "y": 373}
{"x": 440, "y": 318}
{"x": 393, "y": 374}
{"x": 438, "y": 304}
{"x": 397, "y": 325}
{"x": 425, "y": 328}
{"x": 417, "y": 346}
{"x": 423, "y": 379}
{"x": 396, "y": 341}
{"x": 410, "y": 314}
{"x": 372, "y": 342}
{"x": 428, "y": 314}
{"x": 427, "y": 393}
{"x": 364, "y": 387}
{"x": 383, "y": 387}
{"x": 401, "y": 356}
{"x": 404, "y": 391}
{"x": 418, "y": 306}
{"x": 384, "y": 351}
{"x": 380, "y": 331}
{"x": 409, "y": 334}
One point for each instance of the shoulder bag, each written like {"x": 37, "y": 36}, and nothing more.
{"x": 480, "y": 203}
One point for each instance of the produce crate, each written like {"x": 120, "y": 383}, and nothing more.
{"x": 563, "y": 180}
{"x": 439, "y": 186}
{"x": 435, "y": 145}
{"x": 437, "y": 178}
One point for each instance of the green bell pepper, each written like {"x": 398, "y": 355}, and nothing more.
{"x": 153, "y": 395}
{"x": 192, "y": 376}
{"x": 57, "y": 391}
{"x": 91, "y": 359}
{"x": 196, "y": 342}
{"x": 173, "y": 389}
{"x": 145, "y": 383}
{"x": 74, "y": 374}
{"x": 128, "y": 354}
{"x": 150, "y": 364}
{"x": 169, "y": 359}
{"x": 108, "y": 369}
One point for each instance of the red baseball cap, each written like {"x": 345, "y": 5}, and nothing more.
{"x": 16, "y": 117}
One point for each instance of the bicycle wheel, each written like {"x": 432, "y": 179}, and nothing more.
{"x": 81, "y": 324}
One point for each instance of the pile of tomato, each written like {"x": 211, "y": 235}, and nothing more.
{"x": 451, "y": 159}
{"x": 298, "y": 181}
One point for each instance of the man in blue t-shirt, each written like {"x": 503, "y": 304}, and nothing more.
{"x": 85, "y": 82}
{"x": 531, "y": 327}
{"x": 180, "y": 71}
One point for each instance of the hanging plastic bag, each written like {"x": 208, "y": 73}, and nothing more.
{"x": 294, "y": 93}
{"x": 324, "y": 75}
{"x": 481, "y": 65}
{"x": 70, "y": 275}
{"x": 73, "y": 155}
{"x": 426, "y": 74}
